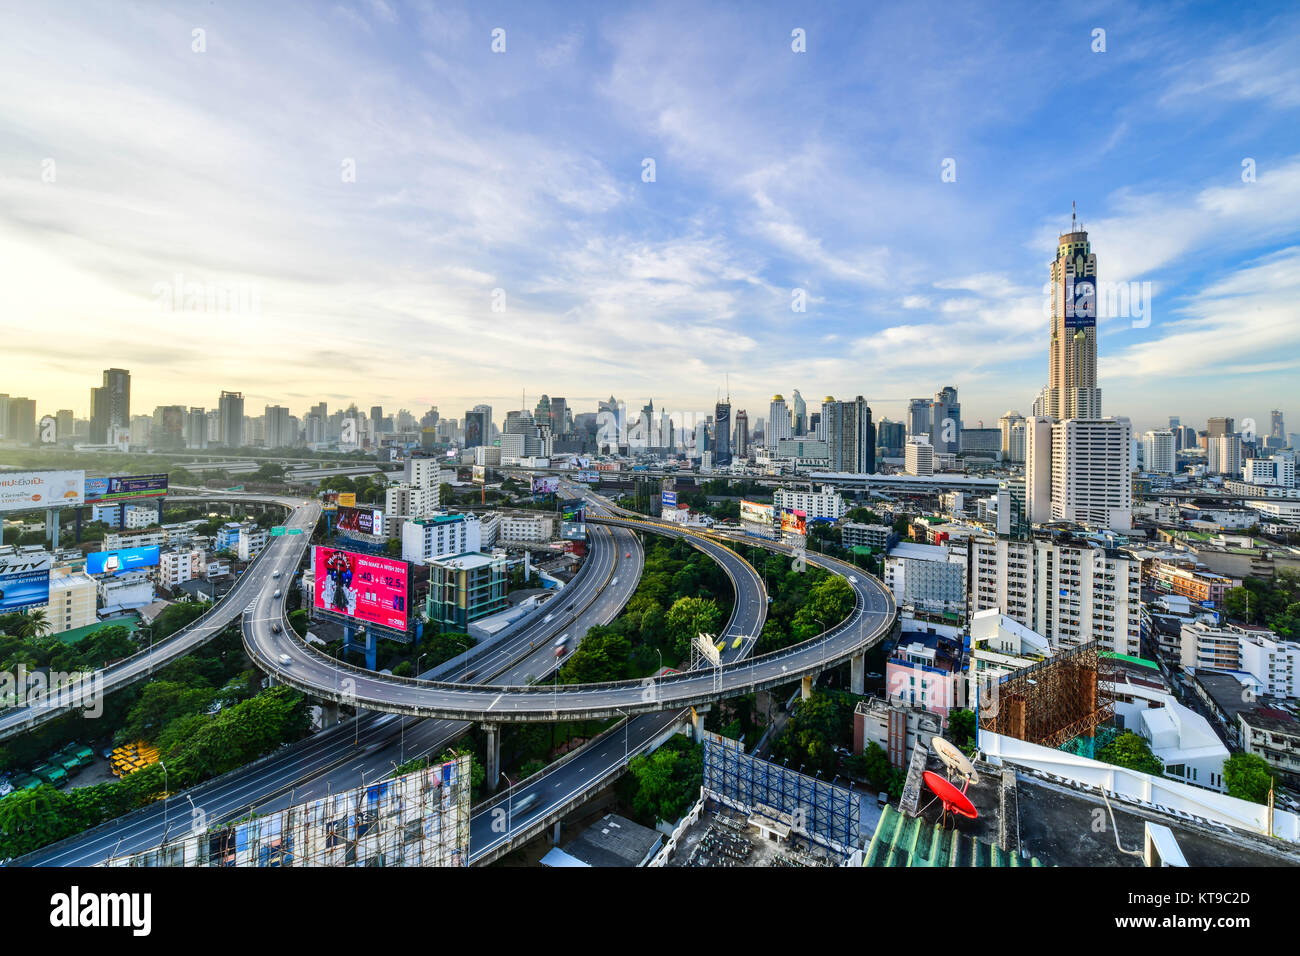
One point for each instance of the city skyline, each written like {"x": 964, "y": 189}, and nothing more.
{"x": 366, "y": 245}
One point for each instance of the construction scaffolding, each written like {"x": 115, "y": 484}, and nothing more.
{"x": 418, "y": 819}
{"x": 1054, "y": 701}
{"x": 825, "y": 814}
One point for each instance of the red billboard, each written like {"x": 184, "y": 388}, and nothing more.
{"x": 365, "y": 587}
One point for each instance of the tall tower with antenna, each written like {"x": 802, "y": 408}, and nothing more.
{"x": 722, "y": 429}
{"x": 1072, "y": 354}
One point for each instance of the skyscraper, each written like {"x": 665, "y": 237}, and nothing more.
{"x": 1277, "y": 427}
{"x": 278, "y": 432}
{"x": 742, "y": 434}
{"x": 850, "y": 436}
{"x": 722, "y": 433}
{"x": 778, "y": 422}
{"x": 918, "y": 416}
{"x": 800, "y": 411}
{"x": 110, "y": 405}
{"x": 1072, "y": 359}
{"x": 945, "y": 422}
{"x": 230, "y": 409}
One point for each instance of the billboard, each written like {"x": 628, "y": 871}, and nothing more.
{"x": 573, "y": 509}
{"x": 545, "y": 486}
{"x": 360, "y": 520}
{"x": 122, "y": 560}
{"x": 365, "y": 587}
{"x": 329, "y": 500}
{"x": 668, "y": 499}
{"x": 26, "y": 490}
{"x": 24, "y": 581}
{"x": 755, "y": 512}
{"x": 589, "y": 476}
{"x": 347, "y": 499}
{"x": 480, "y": 474}
{"x": 417, "y": 819}
{"x": 1080, "y": 302}
{"x": 124, "y": 487}
{"x": 794, "y": 521}
{"x": 573, "y": 531}
{"x": 475, "y": 429}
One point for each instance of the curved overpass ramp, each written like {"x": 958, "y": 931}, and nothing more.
{"x": 282, "y": 554}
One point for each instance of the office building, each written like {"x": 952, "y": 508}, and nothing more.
{"x": 1072, "y": 359}
{"x": 465, "y": 587}
{"x": 826, "y": 503}
{"x": 945, "y": 422}
{"x": 918, "y": 417}
{"x": 890, "y": 438}
{"x": 799, "y": 413}
{"x": 854, "y": 534}
{"x": 742, "y": 434}
{"x": 927, "y": 577}
{"x": 722, "y": 433}
{"x": 918, "y": 456}
{"x": 1224, "y": 454}
{"x": 1006, "y": 425}
{"x": 525, "y": 529}
{"x": 277, "y": 431}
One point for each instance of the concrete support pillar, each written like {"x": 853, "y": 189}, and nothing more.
{"x": 372, "y": 646}
{"x": 807, "y": 687}
{"x": 329, "y": 714}
{"x": 493, "y": 732}
{"x": 555, "y": 838}
{"x": 858, "y": 673}
{"x": 697, "y": 721}
{"x": 52, "y": 527}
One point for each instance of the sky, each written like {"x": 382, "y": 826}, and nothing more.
{"x": 364, "y": 201}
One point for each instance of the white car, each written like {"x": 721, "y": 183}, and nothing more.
{"x": 286, "y": 660}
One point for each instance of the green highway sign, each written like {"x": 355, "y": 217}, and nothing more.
{"x": 277, "y": 532}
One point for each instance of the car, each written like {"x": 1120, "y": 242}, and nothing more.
{"x": 286, "y": 660}
{"x": 276, "y": 575}
{"x": 627, "y": 554}
{"x": 852, "y": 579}
{"x": 737, "y": 642}
{"x": 524, "y": 803}
{"x": 882, "y": 798}
{"x": 275, "y": 628}
{"x": 276, "y": 594}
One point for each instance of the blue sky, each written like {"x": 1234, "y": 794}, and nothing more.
{"x": 131, "y": 159}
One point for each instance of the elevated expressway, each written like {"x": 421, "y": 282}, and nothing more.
{"x": 283, "y": 554}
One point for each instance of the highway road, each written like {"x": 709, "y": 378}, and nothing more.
{"x": 281, "y": 556}
{"x": 369, "y": 746}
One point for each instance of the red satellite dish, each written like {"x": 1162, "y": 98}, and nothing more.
{"x": 953, "y": 799}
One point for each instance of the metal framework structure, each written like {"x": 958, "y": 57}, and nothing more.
{"x": 823, "y": 813}
{"x": 1054, "y": 701}
{"x": 418, "y": 819}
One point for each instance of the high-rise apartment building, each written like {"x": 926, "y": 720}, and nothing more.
{"x": 1158, "y": 451}
{"x": 279, "y": 433}
{"x": 110, "y": 405}
{"x": 1092, "y": 472}
{"x": 778, "y": 422}
{"x": 1068, "y": 590}
{"x": 1006, "y": 423}
{"x": 850, "y": 436}
{"x": 918, "y": 417}
{"x": 1224, "y": 454}
{"x": 918, "y": 457}
{"x": 230, "y": 411}
{"x": 1072, "y": 361}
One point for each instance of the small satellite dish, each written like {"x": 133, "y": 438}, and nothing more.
{"x": 954, "y": 760}
{"x": 953, "y": 799}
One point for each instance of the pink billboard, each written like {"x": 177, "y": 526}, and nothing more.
{"x": 366, "y": 587}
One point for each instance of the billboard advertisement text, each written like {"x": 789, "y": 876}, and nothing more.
{"x": 24, "y": 581}
{"x": 122, "y": 560}
{"x": 545, "y": 486}
{"x": 755, "y": 512}
{"x": 347, "y": 499}
{"x": 1080, "y": 302}
{"x": 593, "y": 476}
{"x": 124, "y": 487}
{"x": 573, "y": 530}
{"x": 360, "y": 520}
{"x": 25, "y": 490}
{"x": 668, "y": 499}
{"x": 794, "y": 521}
{"x": 364, "y": 587}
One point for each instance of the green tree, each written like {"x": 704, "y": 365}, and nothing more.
{"x": 1248, "y": 777}
{"x": 961, "y": 727}
{"x": 29, "y": 819}
{"x": 160, "y": 703}
{"x": 33, "y": 622}
{"x": 688, "y": 617}
{"x": 1131, "y": 751}
{"x": 667, "y": 782}
{"x": 818, "y": 725}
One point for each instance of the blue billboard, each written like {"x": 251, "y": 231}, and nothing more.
{"x": 668, "y": 499}
{"x": 121, "y": 561}
{"x": 24, "y": 581}
{"x": 1080, "y": 302}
